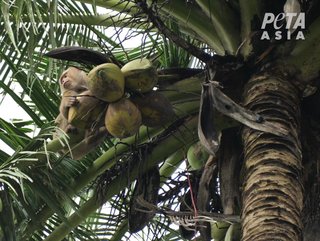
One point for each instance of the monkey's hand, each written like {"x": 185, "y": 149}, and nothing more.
{"x": 71, "y": 101}
{"x": 66, "y": 103}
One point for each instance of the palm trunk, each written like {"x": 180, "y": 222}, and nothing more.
{"x": 272, "y": 189}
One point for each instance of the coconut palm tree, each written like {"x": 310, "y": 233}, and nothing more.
{"x": 242, "y": 78}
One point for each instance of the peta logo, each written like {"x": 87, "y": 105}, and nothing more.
{"x": 291, "y": 21}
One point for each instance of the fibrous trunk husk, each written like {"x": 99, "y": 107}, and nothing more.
{"x": 272, "y": 189}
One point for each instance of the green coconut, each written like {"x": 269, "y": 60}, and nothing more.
{"x": 197, "y": 156}
{"x": 219, "y": 230}
{"x": 156, "y": 109}
{"x": 106, "y": 82}
{"x": 140, "y": 75}
{"x": 123, "y": 118}
{"x": 233, "y": 233}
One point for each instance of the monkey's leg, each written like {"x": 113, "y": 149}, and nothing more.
{"x": 92, "y": 140}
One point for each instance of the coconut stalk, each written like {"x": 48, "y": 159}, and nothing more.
{"x": 182, "y": 139}
{"x": 224, "y": 21}
{"x": 185, "y": 90}
{"x": 191, "y": 17}
{"x": 272, "y": 188}
{"x": 171, "y": 164}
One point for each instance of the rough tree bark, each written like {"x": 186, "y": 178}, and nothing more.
{"x": 272, "y": 188}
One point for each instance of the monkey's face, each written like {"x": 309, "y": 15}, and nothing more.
{"x": 73, "y": 79}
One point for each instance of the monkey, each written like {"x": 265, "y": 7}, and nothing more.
{"x": 73, "y": 82}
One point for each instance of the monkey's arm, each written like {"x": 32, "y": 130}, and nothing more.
{"x": 68, "y": 99}
{"x": 59, "y": 120}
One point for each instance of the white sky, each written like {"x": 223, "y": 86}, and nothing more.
{"x": 9, "y": 110}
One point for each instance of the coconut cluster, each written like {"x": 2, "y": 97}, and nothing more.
{"x": 125, "y": 113}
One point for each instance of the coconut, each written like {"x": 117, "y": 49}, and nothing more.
{"x": 156, "y": 109}
{"x": 106, "y": 82}
{"x": 219, "y": 230}
{"x": 88, "y": 112}
{"x": 197, "y": 156}
{"x": 123, "y": 118}
{"x": 140, "y": 75}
